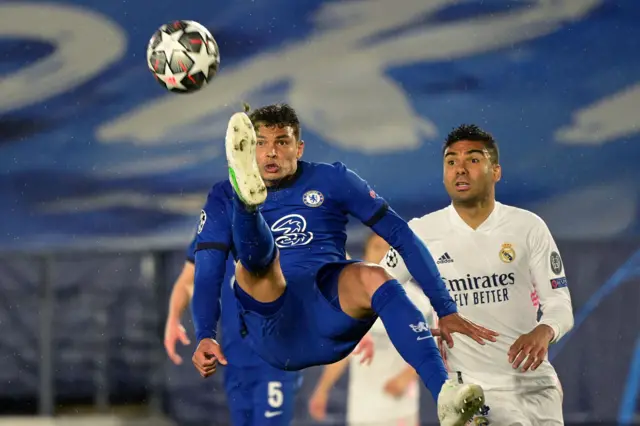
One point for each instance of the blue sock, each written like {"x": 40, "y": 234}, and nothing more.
{"x": 410, "y": 335}
{"x": 252, "y": 238}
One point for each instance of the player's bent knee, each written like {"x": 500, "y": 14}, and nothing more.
{"x": 372, "y": 277}
{"x": 268, "y": 284}
{"x": 367, "y": 277}
{"x": 268, "y": 269}
{"x": 357, "y": 284}
{"x": 272, "y": 269}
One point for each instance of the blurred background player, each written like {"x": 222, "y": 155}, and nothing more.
{"x": 385, "y": 392}
{"x": 257, "y": 394}
{"x": 492, "y": 257}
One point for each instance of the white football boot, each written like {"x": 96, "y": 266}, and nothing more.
{"x": 459, "y": 402}
{"x": 244, "y": 174}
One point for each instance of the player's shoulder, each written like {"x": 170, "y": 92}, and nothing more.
{"x": 522, "y": 218}
{"x": 220, "y": 192}
{"x": 329, "y": 176}
{"x": 435, "y": 220}
{"x": 335, "y": 168}
{"x": 222, "y": 187}
{"x": 524, "y": 222}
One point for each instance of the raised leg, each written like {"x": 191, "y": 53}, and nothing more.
{"x": 258, "y": 271}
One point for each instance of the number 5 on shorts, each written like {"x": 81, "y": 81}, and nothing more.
{"x": 274, "y": 390}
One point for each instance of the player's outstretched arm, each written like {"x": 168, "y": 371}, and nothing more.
{"x": 362, "y": 202}
{"x": 549, "y": 279}
{"x": 417, "y": 260}
{"x": 424, "y": 271}
{"x": 180, "y": 298}
{"x": 214, "y": 241}
{"x": 320, "y": 396}
{"x": 205, "y": 307}
{"x": 373, "y": 211}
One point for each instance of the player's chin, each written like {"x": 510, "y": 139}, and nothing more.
{"x": 271, "y": 177}
{"x": 274, "y": 175}
{"x": 462, "y": 196}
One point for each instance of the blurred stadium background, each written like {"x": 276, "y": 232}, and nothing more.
{"x": 103, "y": 173}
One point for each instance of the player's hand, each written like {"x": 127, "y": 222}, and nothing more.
{"x": 438, "y": 337}
{"x": 365, "y": 349}
{"x": 399, "y": 385}
{"x": 456, "y": 323}
{"x": 206, "y": 357}
{"x": 174, "y": 331}
{"x": 532, "y": 346}
{"x": 318, "y": 405}
{"x": 441, "y": 346}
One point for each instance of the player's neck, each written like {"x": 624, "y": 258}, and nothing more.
{"x": 474, "y": 214}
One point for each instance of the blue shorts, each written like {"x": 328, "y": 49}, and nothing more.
{"x": 307, "y": 327}
{"x": 261, "y": 396}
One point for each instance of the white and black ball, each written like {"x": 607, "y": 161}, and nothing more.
{"x": 183, "y": 56}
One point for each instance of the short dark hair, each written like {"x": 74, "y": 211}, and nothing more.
{"x": 280, "y": 115}
{"x": 471, "y": 132}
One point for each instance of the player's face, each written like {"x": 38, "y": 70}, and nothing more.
{"x": 469, "y": 175}
{"x": 277, "y": 152}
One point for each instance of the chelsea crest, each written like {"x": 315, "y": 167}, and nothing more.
{"x": 313, "y": 198}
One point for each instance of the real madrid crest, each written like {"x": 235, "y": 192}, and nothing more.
{"x": 313, "y": 198}
{"x": 507, "y": 253}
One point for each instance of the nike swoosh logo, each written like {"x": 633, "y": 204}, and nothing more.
{"x": 424, "y": 337}
{"x": 269, "y": 414}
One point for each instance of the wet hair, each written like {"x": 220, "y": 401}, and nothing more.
{"x": 280, "y": 115}
{"x": 471, "y": 132}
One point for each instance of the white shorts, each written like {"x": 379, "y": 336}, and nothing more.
{"x": 540, "y": 407}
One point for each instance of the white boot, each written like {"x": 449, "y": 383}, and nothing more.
{"x": 458, "y": 403}
{"x": 244, "y": 174}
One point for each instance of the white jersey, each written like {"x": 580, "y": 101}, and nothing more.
{"x": 367, "y": 402}
{"x": 495, "y": 274}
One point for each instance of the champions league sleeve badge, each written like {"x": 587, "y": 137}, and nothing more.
{"x": 556, "y": 262}
{"x": 203, "y": 219}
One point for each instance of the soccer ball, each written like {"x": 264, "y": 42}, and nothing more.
{"x": 183, "y": 56}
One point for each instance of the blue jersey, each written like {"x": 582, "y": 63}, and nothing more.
{"x": 308, "y": 215}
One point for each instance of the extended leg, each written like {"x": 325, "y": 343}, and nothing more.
{"x": 364, "y": 289}
{"x": 258, "y": 271}
{"x": 405, "y": 324}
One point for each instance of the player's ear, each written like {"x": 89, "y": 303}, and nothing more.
{"x": 300, "y": 149}
{"x": 497, "y": 172}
